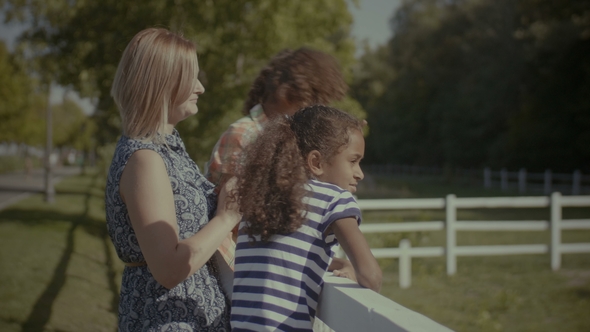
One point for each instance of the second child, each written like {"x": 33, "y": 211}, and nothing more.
{"x": 295, "y": 192}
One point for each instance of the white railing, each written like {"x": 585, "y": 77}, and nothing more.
{"x": 451, "y": 251}
{"x": 344, "y": 306}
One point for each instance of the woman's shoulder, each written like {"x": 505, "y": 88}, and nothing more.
{"x": 126, "y": 147}
{"x": 136, "y": 144}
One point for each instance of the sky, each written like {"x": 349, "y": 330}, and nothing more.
{"x": 371, "y": 24}
{"x": 371, "y": 21}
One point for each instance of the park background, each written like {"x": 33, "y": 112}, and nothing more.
{"x": 445, "y": 84}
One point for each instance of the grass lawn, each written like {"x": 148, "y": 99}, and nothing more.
{"x": 496, "y": 293}
{"x": 59, "y": 271}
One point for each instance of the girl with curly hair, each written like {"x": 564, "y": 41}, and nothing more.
{"x": 295, "y": 194}
{"x": 293, "y": 79}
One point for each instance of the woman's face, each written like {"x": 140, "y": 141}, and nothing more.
{"x": 188, "y": 107}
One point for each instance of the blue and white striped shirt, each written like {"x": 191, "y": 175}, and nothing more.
{"x": 277, "y": 283}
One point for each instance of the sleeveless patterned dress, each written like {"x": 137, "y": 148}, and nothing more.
{"x": 196, "y": 304}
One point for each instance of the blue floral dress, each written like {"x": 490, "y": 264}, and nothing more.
{"x": 196, "y": 304}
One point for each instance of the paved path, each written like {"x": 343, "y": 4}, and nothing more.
{"x": 18, "y": 185}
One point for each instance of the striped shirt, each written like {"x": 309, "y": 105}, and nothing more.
{"x": 277, "y": 283}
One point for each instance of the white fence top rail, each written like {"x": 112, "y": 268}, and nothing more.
{"x": 419, "y": 226}
{"x": 573, "y": 201}
{"x": 346, "y": 307}
{"x": 470, "y": 202}
{"x": 401, "y": 204}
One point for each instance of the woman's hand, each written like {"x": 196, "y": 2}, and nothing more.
{"x": 227, "y": 204}
{"x": 146, "y": 190}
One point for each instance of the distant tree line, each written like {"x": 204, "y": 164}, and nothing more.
{"x": 475, "y": 83}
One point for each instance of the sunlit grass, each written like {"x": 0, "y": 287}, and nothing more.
{"x": 58, "y": 270}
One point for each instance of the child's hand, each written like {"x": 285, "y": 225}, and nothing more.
{"x": 346, "y": 270}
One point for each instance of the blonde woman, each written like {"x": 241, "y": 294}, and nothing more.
{"x": 161, "y": 211}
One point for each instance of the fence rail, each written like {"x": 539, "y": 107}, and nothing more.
{"x": 451, "y": 225}
{"x": 344, "y": 306}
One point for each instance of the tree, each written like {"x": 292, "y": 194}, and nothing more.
{"x": 70, "y": 126}
{"x": 83, "y": 41}
{"x": 475, "y": 83}
{"x": 21, "y": 113}
{"x": 552, "y": 126}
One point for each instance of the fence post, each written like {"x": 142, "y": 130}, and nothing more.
{"x": 547, "y": 186}
{"x": 577, "y": 179}
{"x": 504, "y": 179}
{"x": 451, "y": 214}
{"x": 522, "y": 180}
{"x": 555, "y": 231}
{"x": 487, "y": 178}
{"x": 405, "y": 264}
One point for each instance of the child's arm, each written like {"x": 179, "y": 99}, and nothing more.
{"x": 367, "y": 270}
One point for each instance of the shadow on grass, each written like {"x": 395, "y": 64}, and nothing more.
{"x": 42, "y": 309}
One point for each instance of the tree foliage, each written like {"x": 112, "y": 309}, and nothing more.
{"x": 21, "y": 110}
{"x": 81, "y": 42}
{"x": 71, "y": 127}
{"x": 481, "y": 82}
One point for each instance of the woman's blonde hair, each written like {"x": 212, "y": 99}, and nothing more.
{"x": 157, "y": 72}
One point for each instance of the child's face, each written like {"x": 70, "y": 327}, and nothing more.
{"x": 344, "y": 169}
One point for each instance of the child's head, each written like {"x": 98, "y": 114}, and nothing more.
{"x": 316, "y": 142}
{"x": 296, "y": 79}
{"x": 331, "y": 144}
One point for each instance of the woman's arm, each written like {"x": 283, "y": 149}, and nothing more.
{"x": 146, "y": 190}
{"x": 367, "y": 270}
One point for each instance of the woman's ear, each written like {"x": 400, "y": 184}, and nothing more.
{"x": 314, "y": 162}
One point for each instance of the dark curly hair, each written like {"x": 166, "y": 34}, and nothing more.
{"x": 272, "y": 177}
{"x": 302, "y": 77}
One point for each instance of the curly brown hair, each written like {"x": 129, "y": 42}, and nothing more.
{"x": 303, "y": 77}
{"x": 272, "y": 178}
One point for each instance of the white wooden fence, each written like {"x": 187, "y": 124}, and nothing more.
{"x": 344, "y": 306}
{"x": 451, "y": 251}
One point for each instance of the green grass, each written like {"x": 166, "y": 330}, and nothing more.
{"x": 498, "y": 293}
{"x": 58, "y": 269}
